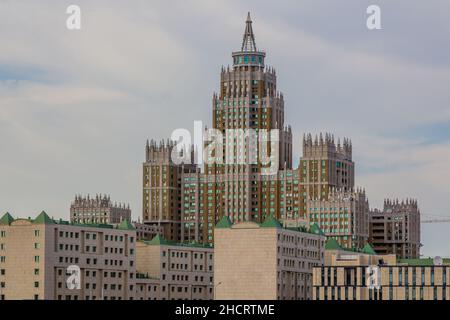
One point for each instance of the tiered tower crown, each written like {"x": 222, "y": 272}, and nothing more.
{"x": 99, "y": 201}
{"x": 324, "y": 144}
{"x": 249, "y": 54}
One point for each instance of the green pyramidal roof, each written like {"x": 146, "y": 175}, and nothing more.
{"x": 316, "y": 229}
{"x": 271, "y": 222}
{"x": 158, "y": 240}
{"x": 6, "y": 219}
{"x": 126, "y": 225}
{"x": 368, "y": 249}
{"x": 43, "y": 218}
{"x": 332, "y": 244}
{"x": 224, "y": 223}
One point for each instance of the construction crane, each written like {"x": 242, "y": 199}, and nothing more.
{"x": 425, "y": 218}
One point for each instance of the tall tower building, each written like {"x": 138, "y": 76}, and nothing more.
{"x": 161, "y": 188}
{"x": 325, "y": 165}
{"x": 251, "y": 176}
{"x": 247, "y": 107}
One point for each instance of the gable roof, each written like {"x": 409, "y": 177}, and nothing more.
{"x": 43, "y": 218}
{"x": 316, "y": 229}
{"x": 368, "y": 249}
{"x": 6, "y": 219}
{"x": 332, "y": 244}
{"x": 224, "y": 222}
{"x": 158, "y": 240}
{"x": 271, "y": 222}
{"x": 125, "y": 225}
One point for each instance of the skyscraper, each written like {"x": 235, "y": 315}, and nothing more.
{"x": 247, "y": 171}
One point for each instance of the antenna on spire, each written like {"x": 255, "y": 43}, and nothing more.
{"x": 248, "y": 43}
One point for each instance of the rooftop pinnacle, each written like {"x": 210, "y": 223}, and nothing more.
{"x": 248, "y": 43}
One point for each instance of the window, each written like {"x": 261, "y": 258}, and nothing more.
{"x": 390, "y": 276}
{"x": 36, "y": 284}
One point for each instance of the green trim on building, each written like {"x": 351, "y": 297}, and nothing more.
{"x": 6, "y": 219}
{"x": 316, "y": 229}
{"x": 368, "y": 249}
{"x": 159, "y": 240}
{"x": 225, "y": 222}
{"x": 126, "y": 225}
{"x": 425, "y": 262}
{"x": 332, "y": 244}
{"x": 271, "y": 222}
{"x": 43, "y": 218}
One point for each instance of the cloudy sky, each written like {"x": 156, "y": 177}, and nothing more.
{"x": 76, "y": 107}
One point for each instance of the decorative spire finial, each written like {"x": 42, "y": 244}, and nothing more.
{"x": 248, "y": 43}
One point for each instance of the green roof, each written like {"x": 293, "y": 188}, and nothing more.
{"x": 6, "y": 219}
{"x": 126, "y": 225}
{"x": 271, "y": 222}
{"x": 316, "y": 229}
{"x": 421, "y": 262}
{"x": 332, "y": 244}
{"x": 158, "y": 240}
{"x": 43, "y": 218}
{"x": 225, "y": 222}
{"x": 368, "y": 249}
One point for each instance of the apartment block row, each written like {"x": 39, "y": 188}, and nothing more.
{"x": 365, "y": 275}
{"x": 49, "y": 259}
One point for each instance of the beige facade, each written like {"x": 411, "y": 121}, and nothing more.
{"x": 345, "y": 276}
{"x": 35, "y": 255}
{"x": 265, "y": 261}
{"x": 147, "y": 231}
{"x": 98, "y": 209}
{"x": 188, "y": 202}
{"x": 396, "y": 228}
{"x": 168, "y": 271}
{"x": 343, "y": 215}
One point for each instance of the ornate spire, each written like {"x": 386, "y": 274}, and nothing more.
{"x": 248, "y": 43}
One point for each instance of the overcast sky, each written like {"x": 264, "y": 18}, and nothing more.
{"x": 76, "y": 107}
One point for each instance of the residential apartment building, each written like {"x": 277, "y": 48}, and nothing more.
{"x": 37, "y": 257}
{"x": 161, "y": 189}
{"x": 170, "y": 271}
{"x": 265, "y": 261}
{"x": 396, "y": 228}
{"x": 99, "y": 209}
{"x": 365, "y": 275}
{"x": 342, "y": 215}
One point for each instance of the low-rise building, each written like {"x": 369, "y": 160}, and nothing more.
{"x": 172, "y": 271}
{"x": 146, "y": 231}
{"x": 265, "y": 261}
{"x": 396, "y": 228}
{"x": 99, "y": 209}
{"x": 364, "y": 275}
{"x": 38, "y": 257}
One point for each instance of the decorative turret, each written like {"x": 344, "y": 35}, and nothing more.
{"x": 324, "y": 145}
